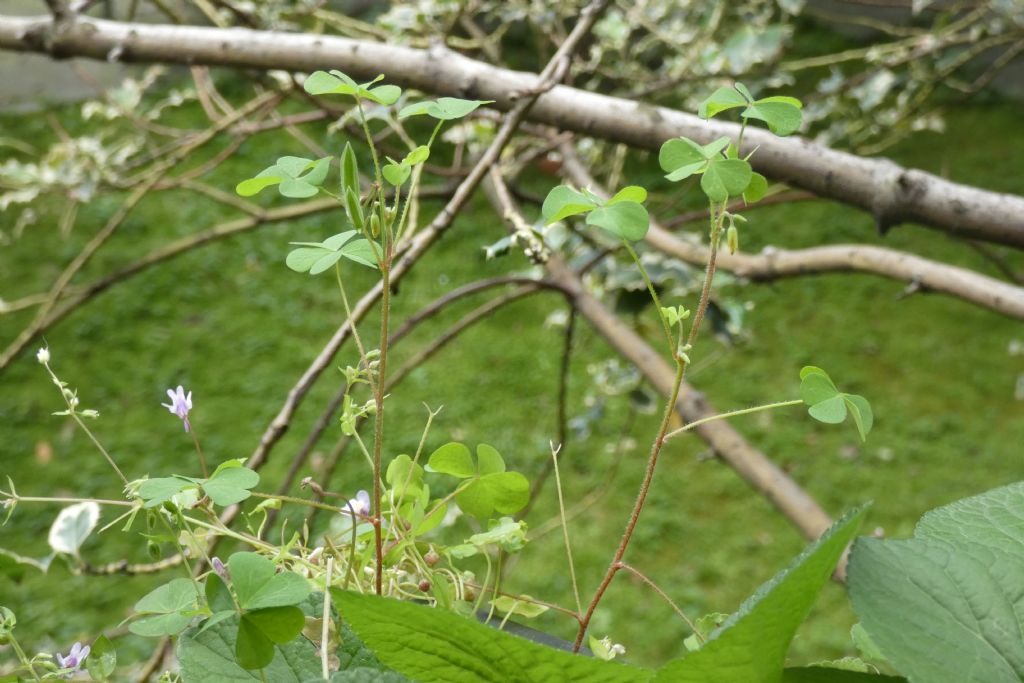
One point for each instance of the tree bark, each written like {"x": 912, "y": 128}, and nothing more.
{"x": 772, "y": 264}
{"x": 893, "y": 194}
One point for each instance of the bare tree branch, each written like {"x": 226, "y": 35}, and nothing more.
{"x": 893, "y": 194}
{"x": 773, "y": 264}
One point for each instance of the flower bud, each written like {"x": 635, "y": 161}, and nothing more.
{"x": 424, "y": 585}
{"x": 375, "y": 225}
{"x": 732, "y": 238}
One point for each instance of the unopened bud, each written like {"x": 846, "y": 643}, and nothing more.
{"x": 424, "y": 585}
{"x": 732, "y": 238}
{"x": 375, "y": 225}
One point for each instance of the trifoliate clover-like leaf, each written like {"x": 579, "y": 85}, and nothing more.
{"x": 296, "y": 177}
{"x": 339, "y": 83}
{"x": 829, "y": 405}
{"x": 166, "y": 610}
{"x": 782, "y": 114}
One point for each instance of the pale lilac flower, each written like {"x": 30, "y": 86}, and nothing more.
{"x": 219, "y": 567}
{"x": 360, "y": 504}
{"x": 180, "y": 404}
{"x": 74, "y": 659}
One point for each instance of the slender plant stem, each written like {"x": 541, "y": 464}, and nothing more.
{"x": 378, "y": 436}
{"x": 25, "y": 661}
{"x": 202, "y": 458}
{"x": 664, "y": 596}
{"x": 565, "y": 530}
{"x": 299, "y": 501}
{"x": 716, "y": 226}
{"x": 654, "y": 296}
{"x": 41, "y": 499}
{"x": 734, "y": 413}
{"x": 638, "y": 507}
{"x": 355, "y": 329}
{"x": 102, "y": 450}
{"x": 324, "y": 650}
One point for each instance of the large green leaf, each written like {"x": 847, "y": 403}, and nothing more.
{"x": 751, "y": 645}
{"x": 821, "y": 674}
{"x": 259, "y": 630}
{"x": 947, "y": 606}
{"x": 435, "y": 646}
{"x": 443, "y": 109}
{"x": 209, "y": 657}
{"x": 681, "y": 158}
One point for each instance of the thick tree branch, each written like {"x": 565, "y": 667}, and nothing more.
{"x": 893, "y": 194}
{"x": 773, "y": 264}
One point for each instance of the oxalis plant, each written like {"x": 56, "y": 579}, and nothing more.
{"x": 379, "y": 598}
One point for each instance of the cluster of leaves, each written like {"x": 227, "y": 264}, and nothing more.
{"x": 486, "y": 487}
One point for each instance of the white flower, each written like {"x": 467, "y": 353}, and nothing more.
{"x": 360, "y": 504}
{"x": 43, "y": 355}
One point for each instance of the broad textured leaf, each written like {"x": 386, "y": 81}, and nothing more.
{"x": 363, "y": 675}
{"x": 562, "y": 202}
{"x": 454, "y": 459}
{"x": 821, "y": 674}
{"x": 724, "y": 178}
{"x": 625, "y": 219}
{"x": 231, "y": 485}
{"x": 719, "y": 101}
{"x": 948, "y": 605}
{"x": 751, "y": 645}
{"x": 72, "y": 526}
{"x": 435, "y": 646}
{"x": 782, "y": 114}
{"x": 209, "y": 657}
{"x": 258, "y": 585}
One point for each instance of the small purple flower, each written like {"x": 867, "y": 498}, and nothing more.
{"x": 219, "y": 567}
{"x": 360, "y": 504}
{"x": 180, "y": 404}
{"x": 74, "y": 659}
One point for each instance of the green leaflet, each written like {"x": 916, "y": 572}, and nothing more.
{"x": 209, "y": 657}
